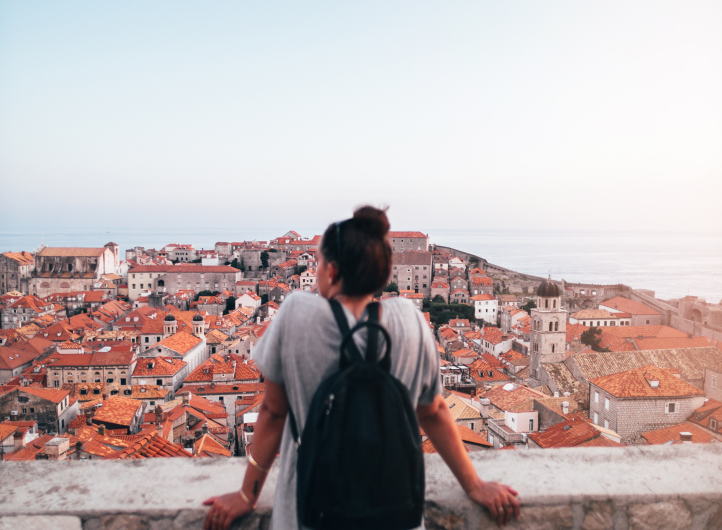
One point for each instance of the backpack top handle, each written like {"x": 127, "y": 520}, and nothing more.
{"x": 373, "y": 326}
{"x": 349, "y": 350}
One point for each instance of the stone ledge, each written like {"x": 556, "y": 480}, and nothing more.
{"x": 577, "y": 489}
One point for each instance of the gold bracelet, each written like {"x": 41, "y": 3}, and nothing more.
{"x": 243, "y": 496}
{"x": 258, "y": 466}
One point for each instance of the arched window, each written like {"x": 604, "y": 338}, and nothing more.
{"x": 556, "y": 326}
{"x": 554, "y": 303}
{"x": 546, "y": 304}
{"x": 551, "y": 326}
{"x": 161, "y": 283}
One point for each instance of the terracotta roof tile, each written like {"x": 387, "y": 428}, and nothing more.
{"x": 637, "y": 383}
{"x": 672, "y": 434}
{"x": 117, "y": 410}
{"x": 629, "y": 306}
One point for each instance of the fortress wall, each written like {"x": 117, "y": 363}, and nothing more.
{"x": 632, "y": 488}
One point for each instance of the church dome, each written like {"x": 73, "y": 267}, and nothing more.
{"x": 197, "y": 318}
{"x": 169, "y": 318}
{"x": 548, "y": 289}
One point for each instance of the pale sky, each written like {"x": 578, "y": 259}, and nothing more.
{"x": 489, "y": 115}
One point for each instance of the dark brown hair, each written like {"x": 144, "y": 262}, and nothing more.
{"x": 364, "y": 257}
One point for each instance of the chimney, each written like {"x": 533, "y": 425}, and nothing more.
{"x": 685, "y": 437}
{"x": 186, "y": 398}
{"x": 556, "y": 394}
{"x": 101, "y": 429}
{"x": 198, "y": 433}
{"x": 19, "y": 440}
{"x": 205, "y": 428}
{"x": 565, "y": 407}
{"x": 158, "y": 415}
{"x": 89, "y": 415}
{"x": 484, "y": 407}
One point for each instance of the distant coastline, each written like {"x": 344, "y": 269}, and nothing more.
{"x": 671, "y": 265}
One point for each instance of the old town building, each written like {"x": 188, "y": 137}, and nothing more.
{"x": 62, "y": 269}
{"x": 15, "y": 271}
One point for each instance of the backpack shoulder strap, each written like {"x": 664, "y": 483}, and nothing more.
{"x": 340, "y": 317}
{"x": 372, "y": 351}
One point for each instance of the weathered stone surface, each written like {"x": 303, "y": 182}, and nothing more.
{"x": 599, "y": 517}
{"x": 163, "y": 524}
{"x": 671, "y": 515}
{"x": 712, "y": 523}
{"x": 41, "y": 522}
{"x": 190, "y": 519}
{"x": 123, "y": 522}
{"x": 544, "y": 518}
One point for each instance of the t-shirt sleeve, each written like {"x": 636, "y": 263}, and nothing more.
{"x": 431, "y": 373}
{"x": 268, "y": 352}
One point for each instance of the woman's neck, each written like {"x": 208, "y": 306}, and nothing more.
{"x": 355, "y": 304}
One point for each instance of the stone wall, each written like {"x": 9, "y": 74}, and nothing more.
{"x": 631, "y": 417}
{"x": 635, "y": 488}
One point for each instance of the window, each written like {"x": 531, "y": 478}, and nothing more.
{"x": 110, "y": 380}
{"x": 671, "y": 408}
{"x": 606, "y": 403}
{"x": 606, "y": 424}
{"x": 57, "y": 383}
{"x": 546, "y": 304}
{"x": 531, "y": 425}
{"x": 596, "y": 419}
{"x": 713, "y": 424}
{"x": 147, "y": 339}
{"x": 596, "y": 397}
{"x": 648, "y": 322}
{"x": 122, "y": 381}
{"x": 133, "y": 288}
{"x": 32, "y": 410}
{"x": 159, "y": 382}
{"x": 714, "y": 382}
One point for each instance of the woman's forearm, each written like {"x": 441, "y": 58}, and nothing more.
{"x": 443, "y": 433}
{"x": 268, "y": 431}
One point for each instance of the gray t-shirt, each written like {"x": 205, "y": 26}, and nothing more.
{"x": 300, "y": 349}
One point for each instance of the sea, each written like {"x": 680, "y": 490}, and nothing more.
{"x": 670, "y": 264}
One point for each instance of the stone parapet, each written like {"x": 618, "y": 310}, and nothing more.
{"x": 635, "y": 488}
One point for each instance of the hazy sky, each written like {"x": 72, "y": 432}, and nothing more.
{"x": 593, "y": 115}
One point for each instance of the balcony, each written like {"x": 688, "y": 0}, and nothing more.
{"x": 635, "y": 488}
{"x": 500, "y": 430}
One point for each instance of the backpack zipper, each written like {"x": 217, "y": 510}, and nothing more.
{"x": 330, "y": 403}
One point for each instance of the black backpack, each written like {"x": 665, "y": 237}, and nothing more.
{"x": 360, "y": 463}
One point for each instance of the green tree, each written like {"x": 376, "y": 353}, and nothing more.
{"x": 473, "y": 260}
{"x": 391, "y": 287}
{"x": 230, "y": 305}
{"x": 264, "y": 259}
{"x": 301, "y": 268}
{"x": 531, "y": 304}
{"x": 441, "y": 313}
{"x": 237, "y": 265}
{"x": 206, "y": 293}
{"x": 590, "y": 338}
{"x": 438, "y": 299}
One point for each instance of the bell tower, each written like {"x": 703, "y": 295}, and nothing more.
{"x": 548, "y": 328}
{"x": 199, "y": 325}
{"x": 170, "y": 326}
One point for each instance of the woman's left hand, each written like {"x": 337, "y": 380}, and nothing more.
{"x": 224, "y": 510}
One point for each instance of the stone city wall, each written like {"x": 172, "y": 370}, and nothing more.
{"x": 636, "y": 488}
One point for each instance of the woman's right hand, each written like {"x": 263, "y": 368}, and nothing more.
{"x": 499, "y": 499}
{"x": 224, "y": 510}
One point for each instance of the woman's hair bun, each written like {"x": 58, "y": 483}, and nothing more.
{"x": 372, "y": 221}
